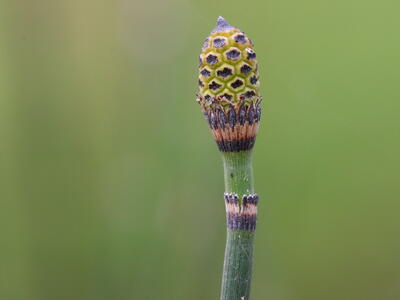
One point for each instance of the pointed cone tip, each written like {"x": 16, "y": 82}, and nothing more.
{"x": 221, "y": 21}
{"x": 222, "y": 25}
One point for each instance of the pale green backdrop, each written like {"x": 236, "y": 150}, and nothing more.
{"x": 111, "y": 186}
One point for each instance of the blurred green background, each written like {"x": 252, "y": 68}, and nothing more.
{"x": 111, "y": 185}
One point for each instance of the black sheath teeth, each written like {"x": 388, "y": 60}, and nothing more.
{"x": 222, "y": 119}
{"x": 213, "y": 121}
{"x": 218, "y": 118}
{"x": 251, "y": 115}
{"x": 258, "y": 113}
{"x": 232, "y": 117}
{"x": 236, "y": 145}
{"x": 242, "y": 115}
{"x": 244, "y": 217}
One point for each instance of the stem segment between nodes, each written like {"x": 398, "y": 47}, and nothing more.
{"x": 237, "y": 272}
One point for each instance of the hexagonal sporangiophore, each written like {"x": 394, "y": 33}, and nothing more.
{"x": 236, "y": 84}
{"x": 253, "y": 80}
{"x": 248, "y": 93}
{"x": 240, "y": 38}
{"x": 206, "y": 72}
{"x": 225, "y": 71}
{"x": 208, "y": 96}
{"x": 226, "y": 94}
{"x": 243, "y": 68}
{"x": 233, "y": 54}
{"x": 213, "y": 58}
{"x": 219, "y": 42}
{"x": 215, "y": 85}
{"x": 250, "y": 54}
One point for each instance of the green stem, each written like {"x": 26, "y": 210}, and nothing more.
{"x": 236, "y": 279}
{"x": 238, "y": 172}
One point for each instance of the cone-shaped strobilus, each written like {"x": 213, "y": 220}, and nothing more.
{"x": 230, "y": 100}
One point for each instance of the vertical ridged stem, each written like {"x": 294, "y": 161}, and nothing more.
{"x": 237, "y": 272}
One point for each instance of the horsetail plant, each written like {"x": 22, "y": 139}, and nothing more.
{"x": 230, "y": 101}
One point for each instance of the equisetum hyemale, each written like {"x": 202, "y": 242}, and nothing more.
{"x": 230, "y": 101}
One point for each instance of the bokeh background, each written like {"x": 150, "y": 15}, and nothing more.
{"x": 111, "y": 185}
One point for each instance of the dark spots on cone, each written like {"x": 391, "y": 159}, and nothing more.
{"x": 253, "y": 80}
{"x": 219, "y": 42}
{"x": 249, "y": 94}
{"x": 245, "y": 69}
{"x": 237, "y": 83}
{"x": 227, "y": 96}
{"x": 250, "y": 54}
{"x": 240, "y": 38}
{"x": 214, "y": 85}
{"x": 212, "y": 59}
{"x": 205, "y": 72}
{"x": 225, "y": 72}
{"x": 233, "y": 54}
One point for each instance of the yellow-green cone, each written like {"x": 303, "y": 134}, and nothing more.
{"x": 229, "y": 87}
